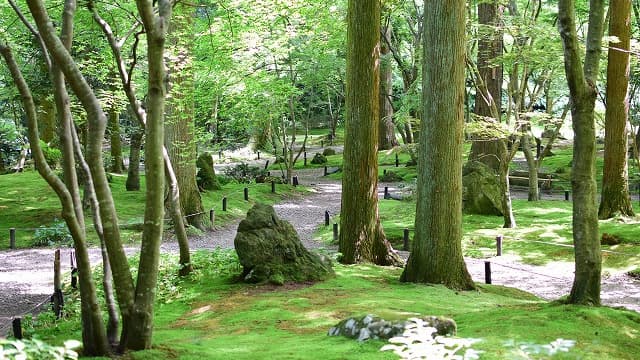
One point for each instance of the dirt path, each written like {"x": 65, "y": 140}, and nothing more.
{"x": 26, "y": 276}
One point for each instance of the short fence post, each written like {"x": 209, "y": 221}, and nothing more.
{"x": 246, "y": 194}
{"x": 405, "y": 240}
{"x": 386, "y": 192}
{"x": 487, "y": 272}
{"x": 283, "y": 151}
{"x": 326, "y": 218}
{"x": 325, "y": 171}
{"x": 224, "y": 203}
{"x": 220, "y": 154}
{"x": 266, "y": 165}
{"x": 566, "y": 195}
{"x": 17, "y": 328}
{"x": 499, "y": 245}
{"x": 12, "y": 238}
{"x": 397, "y": 160}
{"x": 273, "y": 186}
{"x": 384, "y": 172}
{"x": 212, "y": 216}
{"x": 258, "y": 155}
{"x": 305, "y": 158}
{"x": 321, "y": 143}
{"x": 295, "y": 181}
{"x": 335, "y": 232}
{"x": 58, "y": 299}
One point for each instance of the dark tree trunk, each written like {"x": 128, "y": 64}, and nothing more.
{"x": 133, "y": 172}
{"x": 386, "y": 135}
{"x": 117, "y": 163}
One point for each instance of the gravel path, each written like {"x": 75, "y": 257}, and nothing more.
{"x": 26, "y": 276}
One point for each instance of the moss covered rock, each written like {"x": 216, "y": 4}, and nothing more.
{"x": 328, "y": 152}
{"x": 206, "y": 176}
{"x": 319, "y": 159}
{"x": 373, "y": 327}
{"x": 482, "y": 193}
{"x": 270, "y": 250}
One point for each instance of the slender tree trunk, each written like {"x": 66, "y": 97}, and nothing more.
{"x": 436, "y": 255}
{"x": 532, "y": 165}
{"x": 615, "y": 185}
{"x": 47, "y": 119}
{"x": 117, "y": 164}
{"x": 156, "y": 25}
{"x": 361, "y": 235}
{"x": 582, "y": 87}
{"x": 387, "y": 136}
{"x": 133, "y": 171}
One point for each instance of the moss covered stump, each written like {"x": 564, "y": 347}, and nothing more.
{"x": 270, "y": 250}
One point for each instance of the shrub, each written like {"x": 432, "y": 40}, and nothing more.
{"x": 319, "y": 159}
{"x": 328, "y": 152}
{"x": 51, "y": 155}
{"x": 412, "y": 150}
{"x": 390, "y": 176}
{"x": 56, "y": 234}
{"x": 206, "y": 177}
{"x": 36, "y": 349}
{"x": 243, "y": 173}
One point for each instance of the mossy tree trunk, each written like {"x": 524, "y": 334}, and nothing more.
{"x": 117, "y": 163}
{"x": 362, "y": 237}
{"x": 436, "y": 255}
{"x": 582, "y": 79}
{"x": 615, "y": 185}
{"x": 180, "y": 123}
{"x": 133, "y": 171}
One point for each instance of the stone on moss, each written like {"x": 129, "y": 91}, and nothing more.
{"x": 373, "y": 327}
{"x": 206, "y": 176}
{"x": 319, "y": 159}
{"x": 270, "y": 250}
{"x": 482, "y": 192}
{"x": 328, "y": 152}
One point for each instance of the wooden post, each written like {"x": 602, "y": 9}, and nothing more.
{"x": 212, "y": 216}
{"x": 12, "y": 238}
{"x": 258, "y": 155}
{"x": 384, "y": 172}
{"x": 58, "y": 300}
{"x": 487, "y": 272}
{"x": 322, "y": 143}
{"x": 305, "y": 158}
{"x": 273, "y": 186}
{"x": 397, "y": 160}
{"x": 295, "y": 180}
{"x": 17, "y": 328}
{"x": 220, "y": 154}
{"x": 326, "y": 218}
{"x": 499, "y": 245}
{"x": 386, "y": 192}
{"x": 266, "y": 165}
{"x": 325, "y": 171}
{"x": 405, "y": 240}
{"x": 335, "y": 232}
{"x": 224, "y": 203}
{"x": 246, "y": 194}
{"x": 566, "y": 195}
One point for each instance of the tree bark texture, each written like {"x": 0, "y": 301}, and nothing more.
{"x": 582, "y": 87}
{"x": 386, "y": 133}
{"x": 133, "y": 171}
{"x": 615, "y": 197}
{"x": 436, "y": 255}
{"x": 362, "y": 237}
{"x": 180, "y": 123}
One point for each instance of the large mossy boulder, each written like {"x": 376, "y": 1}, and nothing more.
{"x": 270, "y": 250}
{"x": 373, "y": 327}
{"x": 482, "y": 192}
{"x": 206, "y": 176}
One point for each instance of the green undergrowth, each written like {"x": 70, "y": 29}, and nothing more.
{"x": 27, "y": 203}
{"x": 208, "y": 316}
{"x": 543, "y": 233}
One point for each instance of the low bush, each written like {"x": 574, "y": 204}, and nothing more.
{"x": 243, "y": 173}
{"x": 56, "y": 234}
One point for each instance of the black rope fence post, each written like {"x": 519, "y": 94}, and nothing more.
{"x": 322, "y": 143}
{"x": 326, "y": 218}
{"x": 212, "y": 216}
{"x": 325, "y": 171}
{"x": 305, "y": 158}
{"x": 335, "y": 232}
{"x": 246, "y": 194}
{"x": 405, "y": 240}
{"x": 566, "y": 195}
{"x": 57, "y": 299}
{"x": 487, "y": 272}
{"x": 17, "y": 328}
{"x": 266, "y": 165}
{"x": 258, "y": 155}
{"x": 273, "y": 186}
{"x": 224, "y": 203}
{"x": 386, "y": 192}
{"x": 12, "y": 238}
{"x": 397, "y": 160}
{"x": 295, "y": 180}
{"x": 220, "y": 154}
{"x": 499, "y": 245}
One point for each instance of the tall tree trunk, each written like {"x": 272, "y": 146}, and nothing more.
{"x": 117, "y": 164}
{"x": 133, "y": 171}
{"x": 361, "y": 235}
{"x": 532, "y": 164}
{"x": 156, "y": 25}
{"x": 615, "y": 186}
{"x": 47, "y": 119}
{"x": 436, "y": 255}
{"x": 582, "y": 87}
{"x": 386, "y": 133}
{"x": 180, "y": 121}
